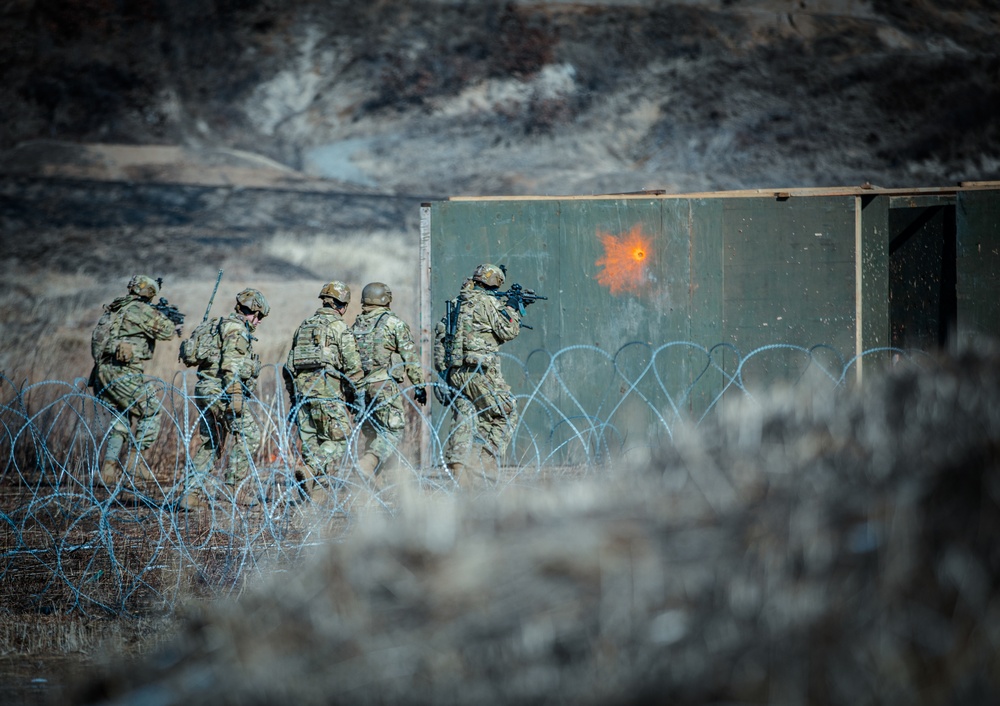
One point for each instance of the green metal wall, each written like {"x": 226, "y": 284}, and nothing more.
{"x": 733, "y": 273}
{"x": 746, "y": 272}
{"x": 978, "y": 264}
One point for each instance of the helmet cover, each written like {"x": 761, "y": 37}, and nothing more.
{"x": 337, "y": 291}
{"x": 488, "y": 275}
{"x": 254, "y": 301}
{"x": 143, "y": 286}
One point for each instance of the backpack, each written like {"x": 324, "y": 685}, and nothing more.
{"x": 104, "y": 339}
{"x": 203, "y": 348}
{"x": 308, "y": 347}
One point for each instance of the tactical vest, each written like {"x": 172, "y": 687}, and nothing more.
{"x": 373, "y": 353}
{"x": 309, "y": 347}
{"x": 203, "y": 348}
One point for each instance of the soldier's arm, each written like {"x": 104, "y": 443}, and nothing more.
{"x": 156, "y": 325}
{"x": 235, "y": 363}
{"x": 504, "y": 320}
{"x": 408, "y": 352}
{"x": 350, "y": 357}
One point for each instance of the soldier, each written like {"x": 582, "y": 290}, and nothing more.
{"x": 386, "y": 348}
{"x": 123, "y": 340}
{"x": 225, "y": 380}
{"x": 321, "y": 370}
{"x": 484, "y": 408}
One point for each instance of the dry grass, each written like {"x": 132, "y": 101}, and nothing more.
{"x": 46, "y": 315}
{"x": 53, "y": 285}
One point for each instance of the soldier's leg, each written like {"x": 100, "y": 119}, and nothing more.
{"x": 309, "y": 443}
{"x": 146, "y": 412}
{"x": 111, "y": 467}
{"x": 246, "y": 443}
{"x": 212, "y": 433}
{"x": 458, "y": 445}
{"x": 496, "y": 414}
{"x": 147, "y": 409}
{"x": 499, "y": 419}
{"x": 117, "y": 388}
{"x": 199, "y": 485}
{"x": 333, "y": 425}
{"x": 387, "y": 424}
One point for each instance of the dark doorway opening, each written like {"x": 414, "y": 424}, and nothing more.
{"x": 923, "y": 307}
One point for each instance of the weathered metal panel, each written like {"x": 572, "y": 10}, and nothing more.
{"x": 978, "y": 264}
{"x": 922, "y": 200}
{"x": 641, "y": 287}
{"x": 873, "y": 263}
{"x": 922, "y": 275}
{"x": 789, "y": 279}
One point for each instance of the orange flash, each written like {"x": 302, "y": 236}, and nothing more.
{"x": 623, "y": 265}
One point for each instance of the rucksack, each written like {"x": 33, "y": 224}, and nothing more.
{"x": 104, "y": 339}
{"x": 203, "y": 348}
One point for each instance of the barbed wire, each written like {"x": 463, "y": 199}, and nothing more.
{"x": 72, "y": 544}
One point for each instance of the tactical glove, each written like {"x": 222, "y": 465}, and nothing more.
{"x": 420, "y": 395}
{"x": 235, "y": 399}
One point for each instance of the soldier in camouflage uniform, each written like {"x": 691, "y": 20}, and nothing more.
{"x": 386, "y": 348}
{"x": 123, "y": 341}
{"x": 484, "y": 409}
{"x": 322, "y": 368}
{"x": 221, "y": 393}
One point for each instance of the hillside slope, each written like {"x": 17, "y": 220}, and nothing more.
{"x": 439, "y": 97}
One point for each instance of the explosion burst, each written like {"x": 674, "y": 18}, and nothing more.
{"x": 623, "y": 265}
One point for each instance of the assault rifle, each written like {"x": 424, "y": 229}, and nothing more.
{"x": 450, "y": 329}
{"x": 443, "y": 391}
{"x": 168, "y": 309}
{"x": 215, "y": 290}
{"x": 518, "y": 297}
{"x": 189, "y": 347}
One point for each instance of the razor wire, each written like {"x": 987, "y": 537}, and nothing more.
{"x": 69, "y": 543}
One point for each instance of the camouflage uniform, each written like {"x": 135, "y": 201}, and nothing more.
{"x": 387, "y": 350}
{"x": 484, "y": 410}
{"x": 118, "y": 378}
{"x": 324, "y": 421}
{"x": 220, "y": 393}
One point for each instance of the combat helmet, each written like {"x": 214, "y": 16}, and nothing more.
{"x": 252, "y": 300}
{"x": 488, "y": 275}
{"x": 376, "y": 294}
{"x": 143, "y": 286}
{"x": 336, "y": 290}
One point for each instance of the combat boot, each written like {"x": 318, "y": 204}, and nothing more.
{"x": 110, "y": 473}
{"x": 491, "y": 469}
{"x": 367, "y": 465}
{"x": 193, "y": 500}
{"x": 324, "y": 491}
{"x": 244, "y": 495}
{"x": 459, "y": 473}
